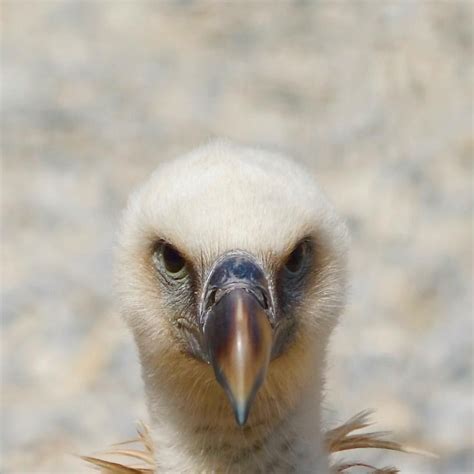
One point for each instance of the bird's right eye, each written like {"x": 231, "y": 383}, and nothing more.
{"x": 169, "y": 260}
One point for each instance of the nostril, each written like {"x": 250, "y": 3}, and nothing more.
{"x": 262, "y": 298}
{"x": 211, "y": 299}
{"x": 214, "y": 296}
{"x": 266, "y": 303}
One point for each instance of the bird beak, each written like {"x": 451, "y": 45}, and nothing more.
{"x": 237, "y": 329}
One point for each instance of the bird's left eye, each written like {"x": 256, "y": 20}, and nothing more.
{"x": 297, "y": 259}
{"x": 167, "y": 258}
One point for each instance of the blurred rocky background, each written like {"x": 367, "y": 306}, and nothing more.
{"x": 376, "y": 97}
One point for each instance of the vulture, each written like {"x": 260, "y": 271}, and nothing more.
{"x": 232, "y": 275}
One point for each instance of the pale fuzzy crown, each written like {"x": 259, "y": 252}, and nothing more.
{"x": 222, "y": 197}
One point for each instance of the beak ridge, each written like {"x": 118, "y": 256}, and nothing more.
{"x": 238, "y": 335}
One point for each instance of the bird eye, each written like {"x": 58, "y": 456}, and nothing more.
{"x": 170, "y": 260}
{"x": 296, "y": 260}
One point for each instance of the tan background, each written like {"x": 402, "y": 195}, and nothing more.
{"x": 375, "y": 96}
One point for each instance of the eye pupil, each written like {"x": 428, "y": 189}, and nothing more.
{"x": 172, "y": 259}
{"x": 295, "y": 261}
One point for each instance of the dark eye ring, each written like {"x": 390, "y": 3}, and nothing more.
{"x": 169, "y": 260}
{"x": 295, "y": 262}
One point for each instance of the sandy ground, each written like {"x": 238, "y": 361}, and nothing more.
{"x": 376, "y": 97}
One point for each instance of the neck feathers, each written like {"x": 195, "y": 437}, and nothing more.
{"x": 198, "y": 432}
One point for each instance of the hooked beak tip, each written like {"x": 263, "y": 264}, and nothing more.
{"x": 241, "y": 412}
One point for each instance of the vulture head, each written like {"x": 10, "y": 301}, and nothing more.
{"x": 232, "y": 275}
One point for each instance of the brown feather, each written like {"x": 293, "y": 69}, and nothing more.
{"x": 108, "y": 467}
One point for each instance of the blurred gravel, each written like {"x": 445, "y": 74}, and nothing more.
{"x": 375, "y": 96}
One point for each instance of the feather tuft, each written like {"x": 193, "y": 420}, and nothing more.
{"x": 145, "y": 456}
